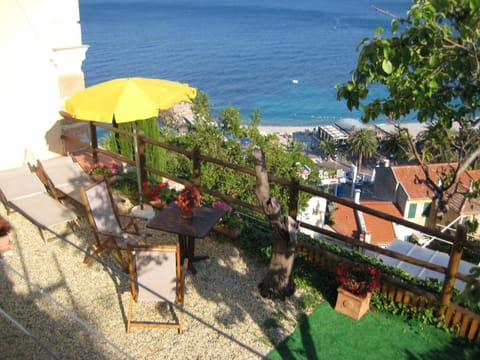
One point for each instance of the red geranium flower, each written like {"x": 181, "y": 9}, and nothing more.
{"x": 158, "y": 191}
{"x": 188, "y": 198}
{"x": 357, "y": 279}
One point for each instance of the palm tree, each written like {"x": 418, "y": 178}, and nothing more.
{"x": 329, "y": 147}
{"x": 397, "y": 146}
{"x": 363, "y": 143}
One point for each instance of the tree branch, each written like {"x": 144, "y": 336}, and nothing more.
{"x": 388, "y": 13}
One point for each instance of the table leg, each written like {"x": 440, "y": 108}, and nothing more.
{"x": 187, "y": 250}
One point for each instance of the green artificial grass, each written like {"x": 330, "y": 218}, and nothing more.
{"x": 328, "y": 334}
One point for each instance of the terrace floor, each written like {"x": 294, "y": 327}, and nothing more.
{"x": 52, "y": 305}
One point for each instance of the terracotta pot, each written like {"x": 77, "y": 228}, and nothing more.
{"x": 352, "y": 305}
{"x": 158, "y": 204}
{"x": 99, "y": 177}
{"x": 96, "y": 177}
{"x": 5, "y": 244}
{"x": 230, "y": 233}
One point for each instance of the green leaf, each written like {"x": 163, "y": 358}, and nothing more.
{"x": 387, "y": 66}
{"x": 379, "y": 30}
{"x": 433, "y": 61}
{"x": 433, "y": 85}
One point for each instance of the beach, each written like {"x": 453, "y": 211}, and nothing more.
{"x": 308, "y": 135}
{"x": 414, "y": 127}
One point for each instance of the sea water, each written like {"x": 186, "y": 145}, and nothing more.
{"x": 282, "y": 57}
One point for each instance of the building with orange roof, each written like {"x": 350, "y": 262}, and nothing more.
{"x": 366, "y": 227}
{"x": 406, "y": 186}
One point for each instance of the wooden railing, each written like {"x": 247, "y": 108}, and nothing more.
{"x": 455, "y": 316}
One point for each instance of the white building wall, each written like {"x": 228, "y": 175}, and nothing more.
{"x": 42, "y": 53}
{"x": 314, "y": 214}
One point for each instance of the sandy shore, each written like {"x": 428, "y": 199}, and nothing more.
{"x": 273, "y": 129}
{"x": 414, "y": 128}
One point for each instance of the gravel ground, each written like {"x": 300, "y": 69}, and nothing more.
{"x": 77, "y": 311}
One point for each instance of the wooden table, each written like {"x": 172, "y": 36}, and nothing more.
{"x": 199, "y": 226}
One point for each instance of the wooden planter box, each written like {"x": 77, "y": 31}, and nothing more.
{"x": 230, "y": 233}
{"x": 352, "y": 305}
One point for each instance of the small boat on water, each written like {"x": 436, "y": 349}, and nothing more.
{"x": 294, "y": 81}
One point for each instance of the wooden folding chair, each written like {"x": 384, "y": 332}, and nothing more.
{"x": 63, "y": 177}
{"x": 108, "y": 230}
{"x": 22, "y": 191}
{"x": 156, "y": 274}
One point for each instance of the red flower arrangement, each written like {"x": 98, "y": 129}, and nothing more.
{"x": 158, "y": 191}
{"x": 357, "y": 279}
{"x": 188, "y": 198}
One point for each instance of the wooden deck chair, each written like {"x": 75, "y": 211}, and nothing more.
{"x": 156, "y": 275}
{"x": 64, "y": 177}
{"x": 109, "y": 232}
{"x": 22, "y": 191}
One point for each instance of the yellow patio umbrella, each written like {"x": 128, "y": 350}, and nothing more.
{"x": 127, "y": 100}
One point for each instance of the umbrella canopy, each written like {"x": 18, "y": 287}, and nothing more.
{"x": 127, "y": 99}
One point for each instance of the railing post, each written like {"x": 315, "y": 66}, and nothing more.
{"x": 142, "y": 156}
{"x": 453, "y": 264}
{"x": 93, "y": 141}
{"x": 293, "y": 198}
{"x": 196, "y": 166}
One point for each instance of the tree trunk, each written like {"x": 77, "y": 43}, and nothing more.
{"x": 360, "y": 159}
{"x": 435, "y": 214}
{"x": 278, "y": 282}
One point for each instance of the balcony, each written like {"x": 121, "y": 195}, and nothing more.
{"x": 55, "y": 306}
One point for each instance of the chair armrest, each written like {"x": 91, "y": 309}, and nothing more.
{"x": 109, "y": 234}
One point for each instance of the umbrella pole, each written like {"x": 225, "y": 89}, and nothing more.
{"x": 137, "y": 161}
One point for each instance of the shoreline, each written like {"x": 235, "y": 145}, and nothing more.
{"x": 413, "y": 127}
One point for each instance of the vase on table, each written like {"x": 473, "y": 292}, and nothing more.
{"x": 352, "y": 305}
{"x": 186, "y": 213}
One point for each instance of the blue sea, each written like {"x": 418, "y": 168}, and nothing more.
{"x": 241, "y": 53}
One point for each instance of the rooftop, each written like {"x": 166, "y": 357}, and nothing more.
{"x": 382, "y": 231}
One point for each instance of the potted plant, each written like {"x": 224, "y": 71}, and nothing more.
{"x": 230, "y": 223}
{"x": 99, "y": 172}
{"x": 356, "y": 283}
{"x": 5, "y": 244}
{"x": 188, "y": 198}
{"x": 158, "y": 194}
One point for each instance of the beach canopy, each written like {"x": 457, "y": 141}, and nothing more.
{"x": 127, "y": 99}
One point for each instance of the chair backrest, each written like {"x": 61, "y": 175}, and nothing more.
{"x": 158, "y": 269}
{"x": 62, "y": 171}
{"x": 19, "y": 182}
{"x": 100, "y": 208}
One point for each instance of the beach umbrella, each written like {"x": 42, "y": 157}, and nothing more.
{"x": 127, "y": 100}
